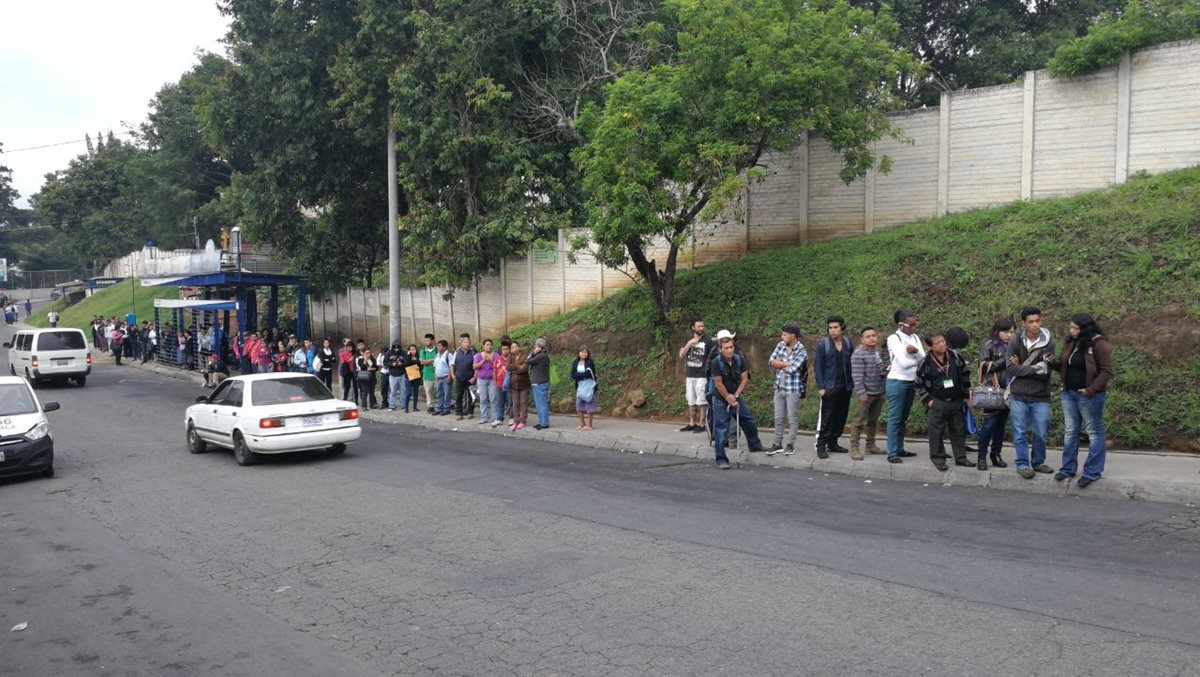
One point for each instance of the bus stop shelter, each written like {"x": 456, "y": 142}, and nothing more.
{"x": 244, "y": 288}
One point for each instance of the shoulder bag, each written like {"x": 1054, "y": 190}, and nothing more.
{"x": 989, "y": 396}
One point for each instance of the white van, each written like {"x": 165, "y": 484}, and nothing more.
{"x": 26, "y": 446}
{"x": 50, "y": 354}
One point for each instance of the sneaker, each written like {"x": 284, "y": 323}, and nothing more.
{"x": 872, "y": 449}
{"x": 895, "y": 459}
{"x": 941, "y": 466}
{"x": 511, "y": 422}
{"x": 775, "y": 449}
{"x": 1044, "y": 469}
{"x": 520, "y": 426}
{"x": 483, "y": 421}
{"x": 723, "y": 466}
{"x": 513, "y": 427}
{"x": 789, "y": 450}
{"x": 391, "y": 409}
{"x": 687, "y": 428}
{"x": 495, "y": 423}
{"x": 698, "y": 429}
{"x": 1060, "y": 476}
{"x": 836, "y": 448}
{"x": 822, "y": 453}
{"x": 1027, "y": 473}
{"x": 540, "y": 427}
{"x": 1084, "y": 482}
{"x": 907, "y": 454}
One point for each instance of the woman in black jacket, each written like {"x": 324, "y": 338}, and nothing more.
{"x": 584, "y": 369}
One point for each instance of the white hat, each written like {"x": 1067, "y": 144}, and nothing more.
{"x": 725, "y": 334}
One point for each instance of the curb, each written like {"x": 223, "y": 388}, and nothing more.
{"x": 1152, "y": 490}
{"x": 1157, "y": 491}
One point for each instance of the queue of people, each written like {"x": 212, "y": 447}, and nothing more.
{"x": 1012, "y": 377}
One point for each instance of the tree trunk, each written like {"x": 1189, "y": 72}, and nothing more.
{"x": 660, "y": 283}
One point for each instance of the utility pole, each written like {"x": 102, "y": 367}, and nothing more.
{"x": 393, "y": 237}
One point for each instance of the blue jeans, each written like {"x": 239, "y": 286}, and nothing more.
{"x": 501, "y": 403}
{"x": 900, "y": 396}
{"x": 541, "y": 400}
{"x": 487, "y": 399}
{"x": 1029, "y": 417}
{"x": 443, "y": 395}
{"x": 411, "y": 388}
{"x": 1088, "y": 410}
{"x": 395, "y": 385}
{"x": 991, "y": 433}
{"x": 722, "y": 413}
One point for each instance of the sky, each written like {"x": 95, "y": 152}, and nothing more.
{"x": 75, "y": 67}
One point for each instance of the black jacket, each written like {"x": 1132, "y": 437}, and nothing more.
{"x": 589, "y": 370}
{"x": 930, "y": 379}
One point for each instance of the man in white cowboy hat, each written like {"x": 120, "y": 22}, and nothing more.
{"x": 730, "y": 380}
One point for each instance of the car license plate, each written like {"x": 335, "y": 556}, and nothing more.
{"x": 312, "y": 421}
{"x": 62, "y": 362}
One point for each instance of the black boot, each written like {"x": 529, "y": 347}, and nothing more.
{"x": 982, "y": 462}
{"x": 998, "y": 462}
{"x": 822, "y": 452}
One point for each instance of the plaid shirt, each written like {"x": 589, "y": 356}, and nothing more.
{"x": 790, "y": 379}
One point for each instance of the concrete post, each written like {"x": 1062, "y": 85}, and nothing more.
{"x": 529, "y": 265}
{"x": 943, "y": 198}
{"x": 504, "y": 291}
{"x": 802, "y": 198}
{"x": 478, "y": 324}
{"x": 562, "y": 271}
{"x": 869, "y": 202}
{"x": 1028, "y": 123}
{"x": 1124, "y": 97}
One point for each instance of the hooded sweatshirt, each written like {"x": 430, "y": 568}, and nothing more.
{"x": 1029, "y": 380}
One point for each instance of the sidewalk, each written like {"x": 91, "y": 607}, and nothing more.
{"x": 1137, "y": 475}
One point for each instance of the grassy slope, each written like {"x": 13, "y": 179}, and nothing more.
{"x": 114, "y": 301}
{"x": 1118, "y": 254}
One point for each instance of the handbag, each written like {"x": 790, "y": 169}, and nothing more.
{"x": 586, "y": 390}
{"x": 989, "y": 397}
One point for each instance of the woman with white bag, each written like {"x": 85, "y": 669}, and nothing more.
{"x": 583, "y": 371}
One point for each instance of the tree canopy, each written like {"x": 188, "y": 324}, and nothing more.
{"x": 673, "y": 143}
{"x": 1138, "y": 24}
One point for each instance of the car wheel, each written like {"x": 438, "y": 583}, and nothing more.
{"x": 241, "y": 454}
{"x": 194, "y": 443}
{"x": 337, "y": 449}
{"x": 81, "y": 381}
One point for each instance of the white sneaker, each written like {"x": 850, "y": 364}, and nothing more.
{"x": 511, "y": 422}
{"x": 495, "y": 423}
{"x": 789, "y": 450}
{"x": 482, "y": 422}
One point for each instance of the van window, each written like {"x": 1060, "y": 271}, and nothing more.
{"x": 23, "y": 341}
{"x": 60, "y": 340}
{"x": 15, "y": 399}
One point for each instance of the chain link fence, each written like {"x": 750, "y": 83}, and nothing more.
{"x": 45, "y": 279}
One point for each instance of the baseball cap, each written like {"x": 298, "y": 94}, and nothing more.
{"x": 725, "y": 334}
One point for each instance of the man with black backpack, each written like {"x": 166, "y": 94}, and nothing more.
{"x": 729, "y": 380}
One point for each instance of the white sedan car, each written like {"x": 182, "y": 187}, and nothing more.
{"x": 271, "y": 414}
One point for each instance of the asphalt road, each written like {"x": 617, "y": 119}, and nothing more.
{"x": 422, "y": 552}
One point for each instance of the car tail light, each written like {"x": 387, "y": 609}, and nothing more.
{"x": 270, "y": 423}
{"x": 33, "y": 361}
{"x": 89, "y": 358}
{"x": 349, "y": 415}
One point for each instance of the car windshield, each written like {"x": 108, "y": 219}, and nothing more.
{"x": 61, "y": 340}
{"x": 289, "y": 391}
{"x": 16, "y": 399}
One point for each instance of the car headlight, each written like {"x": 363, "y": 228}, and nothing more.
{"x": 37, "y": 432}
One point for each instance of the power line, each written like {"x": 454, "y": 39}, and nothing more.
{"x": 60, "y": 143}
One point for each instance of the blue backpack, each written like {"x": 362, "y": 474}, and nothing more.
{"x": 719, "y": 364}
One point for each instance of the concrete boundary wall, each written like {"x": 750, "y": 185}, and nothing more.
{"x": 1040, "y": 138}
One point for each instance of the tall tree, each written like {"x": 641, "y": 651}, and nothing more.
{"x": 976, "y": 43}
{"x": 484, "y": 97}
{"x": 8, "y": 194}
{"x": 313, "y": 187}
{"x": 675, "y": 142}
{"x": 93, "y": 205}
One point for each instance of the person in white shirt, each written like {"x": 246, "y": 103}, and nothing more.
{"x": 906, "y": 352}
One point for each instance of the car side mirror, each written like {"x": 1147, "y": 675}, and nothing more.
{"x": 7, "y": 345}
{"x": 50, "y": 406}
{"x": 203, "y": 399}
